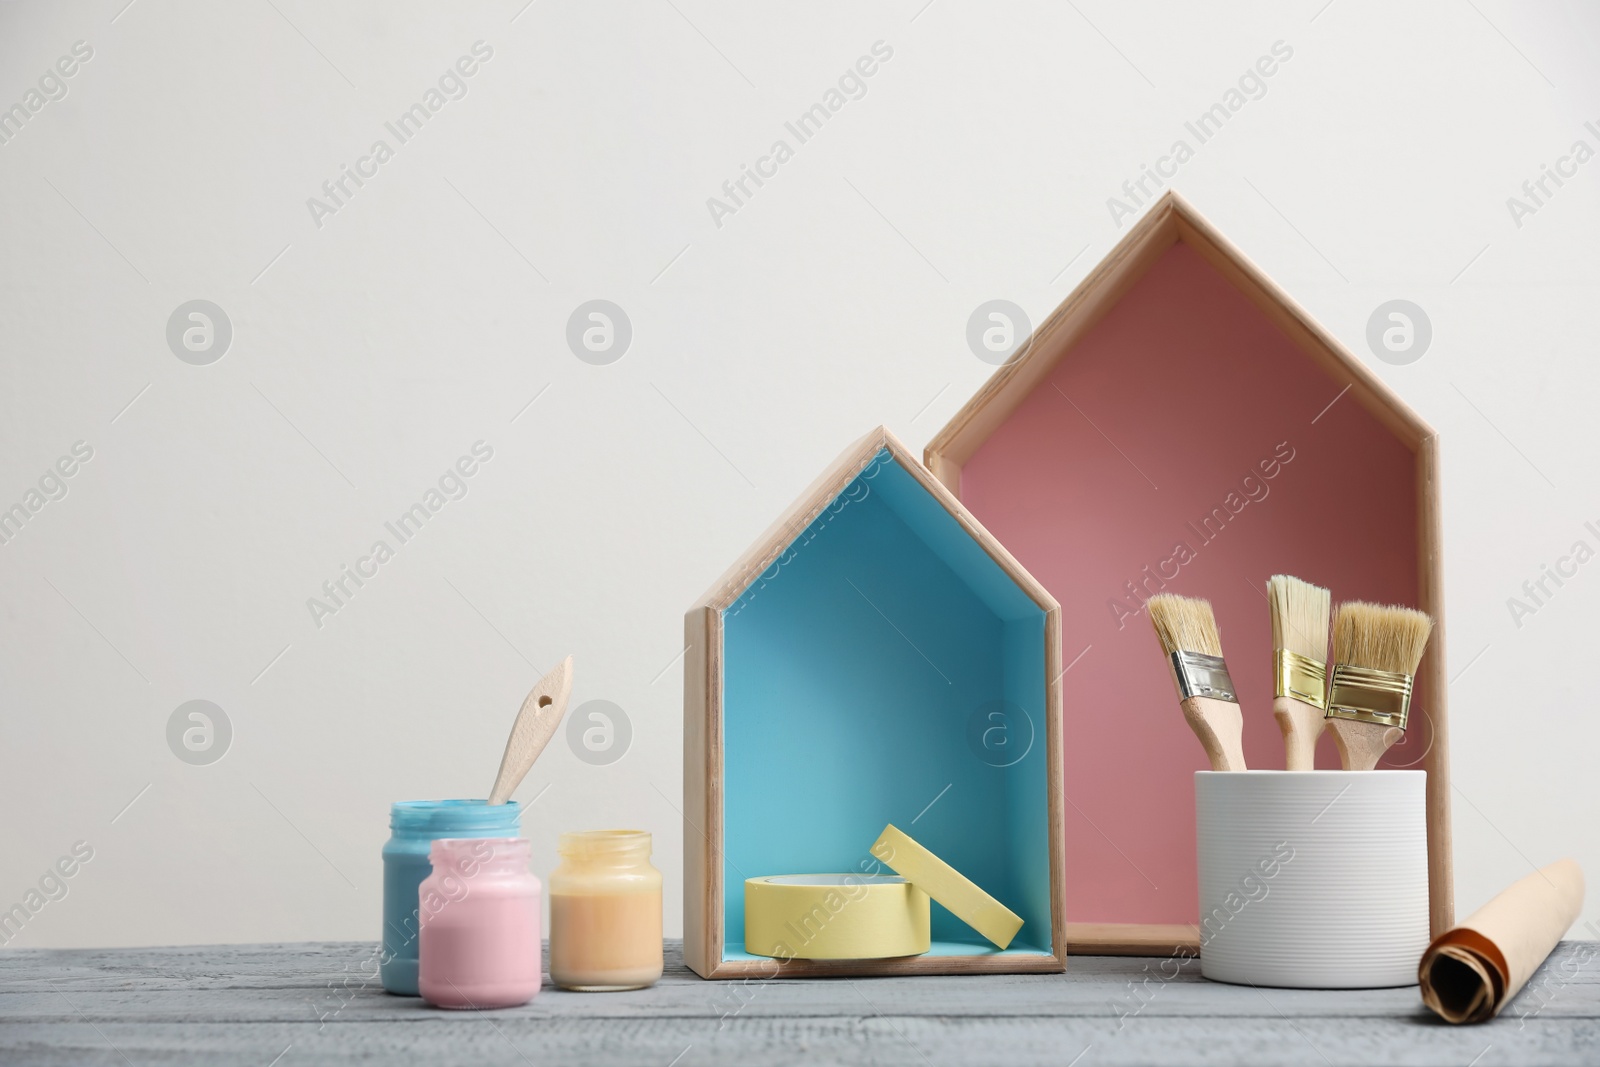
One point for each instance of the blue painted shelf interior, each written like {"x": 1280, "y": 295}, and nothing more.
{"x": 886, "y": 669}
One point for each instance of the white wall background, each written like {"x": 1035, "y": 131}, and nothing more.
{"x": 369, "y": 353}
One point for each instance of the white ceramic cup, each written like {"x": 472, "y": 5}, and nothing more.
{"x": 1312, "y": 879}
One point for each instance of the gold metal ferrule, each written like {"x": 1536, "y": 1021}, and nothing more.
{"x": 1198, "y": 675}
{"x": 1300, "y": 677}
{"x": 1364, "y": 695}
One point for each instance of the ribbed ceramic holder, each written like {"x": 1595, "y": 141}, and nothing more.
{"x": 1312, "y": 879}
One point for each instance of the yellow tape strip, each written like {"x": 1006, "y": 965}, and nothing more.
{"x": 948, "y": 886}
{"x": 834, "y": 917}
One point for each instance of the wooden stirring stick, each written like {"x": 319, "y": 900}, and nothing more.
{"x": 536, "y": 723}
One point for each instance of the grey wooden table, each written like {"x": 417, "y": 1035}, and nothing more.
{"x": 297, "y": 1004}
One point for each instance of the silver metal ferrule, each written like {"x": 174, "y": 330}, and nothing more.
{"x": 1198, "y": 675}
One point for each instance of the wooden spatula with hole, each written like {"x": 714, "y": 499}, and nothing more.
{"x": 536, "y": 724}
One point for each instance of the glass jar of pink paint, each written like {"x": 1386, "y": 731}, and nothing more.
{"x": 478, "y": 940}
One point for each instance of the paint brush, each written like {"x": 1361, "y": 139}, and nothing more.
{"x": 1187, "y": 630}
{"x": 1376, "y": 650}
{"x": 1299, "y": 666}
{"x": 536, "y": 723}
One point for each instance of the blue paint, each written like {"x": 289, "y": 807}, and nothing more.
{"x": 853, "y": 669}
{"x": 413, "y": 825}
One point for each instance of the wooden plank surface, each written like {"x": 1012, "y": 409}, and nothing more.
{"x": 290, "y": 1005}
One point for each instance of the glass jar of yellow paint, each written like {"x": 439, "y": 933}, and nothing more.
{"x": 605, "y": 912}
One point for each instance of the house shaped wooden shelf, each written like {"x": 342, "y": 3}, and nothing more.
{"x": 842, "y": 676}
{"x": 1179, "y": 423}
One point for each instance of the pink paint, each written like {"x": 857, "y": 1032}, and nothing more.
{"x": 1165, "y": 407}
{"x": 479, "y": 932}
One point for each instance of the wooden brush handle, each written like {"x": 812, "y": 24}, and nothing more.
{"x": 1219, "y": 724}
{"x": 1362, "y": 744}
{"x": 535, "y": 725}
{"x": 1301, "y": 725}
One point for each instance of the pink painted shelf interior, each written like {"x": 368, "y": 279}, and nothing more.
{"x": 1184, "y": 417}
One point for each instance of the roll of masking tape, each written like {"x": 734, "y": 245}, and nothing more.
{"x": 947, "y": 885}
{"x": 834, "y": 917}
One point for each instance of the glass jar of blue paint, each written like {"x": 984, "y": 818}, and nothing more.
{"x": 413, "y": 826}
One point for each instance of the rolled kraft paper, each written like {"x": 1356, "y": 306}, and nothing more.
{"x": 1472, "y": 971}
{"x": 834, "y": 917}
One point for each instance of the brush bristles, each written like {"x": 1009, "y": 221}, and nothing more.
{"x": 1299, "y": 616}
{"x": 1380, "y": 637}
{"x": 1185, "y": 624}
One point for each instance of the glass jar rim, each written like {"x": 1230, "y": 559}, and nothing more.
{"x": 499, "y": 844}
{"x": 499, "y": 848}
{"x": 584, "y": 843}
{"x": 455, "y": 818}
